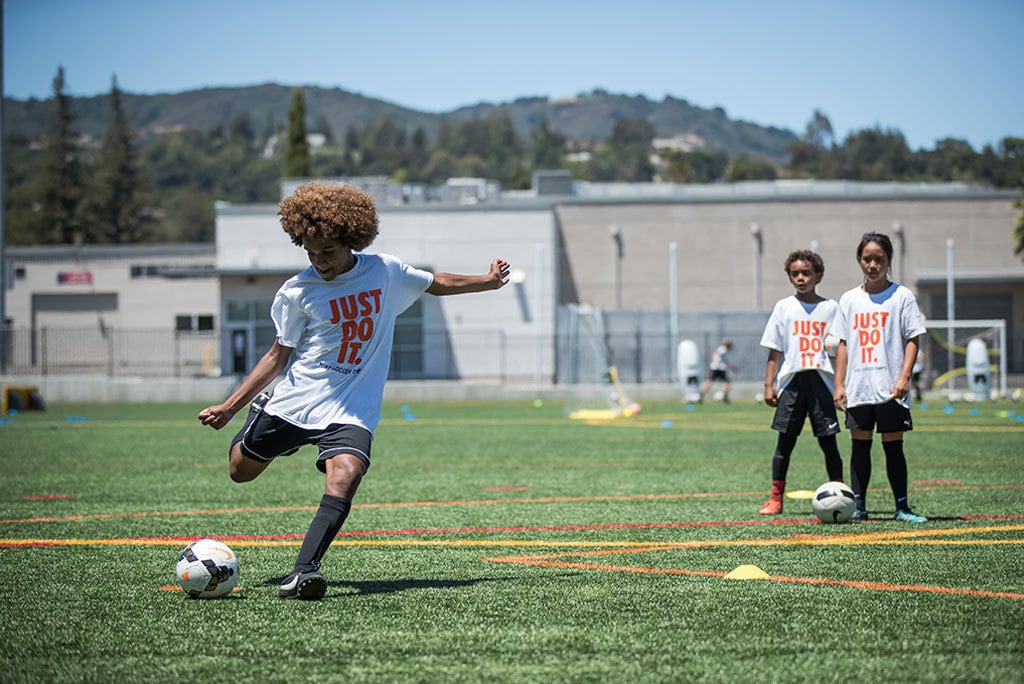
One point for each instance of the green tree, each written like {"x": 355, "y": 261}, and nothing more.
{"x": 877, "y": 155}
{"x": 813, "y": 155}
{"x": 676, "y": 170}
{"x": 1012, "y": 162}
{"x": 296, "y": 150}
{"x": 115, "y": 208}
{"x": 951, "y": 160}
{"x": 818, "y": 132}
{"x": 626, "y": 154}
{"x": 738, "y": 169}
{"x": 706, "y": 166}
{"x": 548, "y": 147}
{"x": 59, "y": 191}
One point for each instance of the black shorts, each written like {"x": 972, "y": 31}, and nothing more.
{"x": 266, "y": 437}
{"x": 719, "y": 374}
{"x": 892, "y": 416}
{"x": 806, "y": 395}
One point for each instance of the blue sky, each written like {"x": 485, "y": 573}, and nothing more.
{"x": 931, "y": 69}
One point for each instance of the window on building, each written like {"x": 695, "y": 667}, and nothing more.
{"x": 407, "y": 351}
{"x": 190, "y": 323}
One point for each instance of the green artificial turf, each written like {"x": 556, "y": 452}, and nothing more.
{"x": 502, "y": 541}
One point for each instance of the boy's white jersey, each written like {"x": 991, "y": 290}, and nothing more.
{"x": 798, "y": 331}
{"x": 342, "y": 331}
{"x": 876, "y": 329}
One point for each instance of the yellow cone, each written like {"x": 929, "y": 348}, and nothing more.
{"x": 800, "y": 494}
{"x": 747, "y": 572}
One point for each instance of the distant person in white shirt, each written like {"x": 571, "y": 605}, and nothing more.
{"x": 335, "y": 324}
{"x": 798, "y": 377}
{"x": 878, "y": 325}
{"x": 719, "y": 368}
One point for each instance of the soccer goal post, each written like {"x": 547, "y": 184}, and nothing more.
{"x": 950, "y": 340}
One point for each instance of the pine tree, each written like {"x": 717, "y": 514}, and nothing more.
{"x": 59, "y": 185}
{"x": 115, "y": 208}
{"x": 296, "y": 151}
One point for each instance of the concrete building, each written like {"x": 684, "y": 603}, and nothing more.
{"x": 607, "y": 246}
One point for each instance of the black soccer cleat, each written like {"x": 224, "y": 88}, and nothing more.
{"x": 305, "y": 586}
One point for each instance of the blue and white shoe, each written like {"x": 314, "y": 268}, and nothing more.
{"x": 859, "y": 515}
{"x": 908, "y": 516}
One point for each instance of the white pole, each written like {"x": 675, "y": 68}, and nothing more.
{"x": 616, "y": 234}
{"x": 538, "y": 316}
{"x": 673, "y": 293}
{"x": 950, "y": 308}
{"x": 1002, "y": 361}
{"x": 755, "y": 232}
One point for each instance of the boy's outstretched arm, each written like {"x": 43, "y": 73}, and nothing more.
{"x": 454, "y": 283}
{"x": 266, "y": 369}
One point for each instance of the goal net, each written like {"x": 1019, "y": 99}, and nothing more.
{"x": 596, "y": 393}
{"x": 965, "y": 359}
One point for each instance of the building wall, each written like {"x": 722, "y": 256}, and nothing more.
{"x": 562, "y": 251}
{"x": 112, "y": 309}
{"x": 719, "y": 265}
{"x": 485, "y": 335}
{"x": 142, "y": 299}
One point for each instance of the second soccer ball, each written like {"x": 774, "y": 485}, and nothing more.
{"x": 833, "y": 502}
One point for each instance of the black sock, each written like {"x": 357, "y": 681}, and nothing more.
{"x": 833, "y": 461}
{"x": 780, "y": 461}
{"x": 896, "y": 468}
{"x": 860, "y": 470}
{"x": 326, "y": 523}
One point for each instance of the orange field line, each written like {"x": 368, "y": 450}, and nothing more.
{"x": 396, "y": 504}
{"x": 855, "y": 584}
{"x": 468, "y": 502}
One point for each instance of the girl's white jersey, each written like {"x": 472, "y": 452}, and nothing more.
{"x": 798, "y": 331}
{"x": 876, "y": 329}
{"x": 342, "y": 332}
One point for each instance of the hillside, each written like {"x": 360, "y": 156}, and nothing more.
{"x": 584, "y": 117}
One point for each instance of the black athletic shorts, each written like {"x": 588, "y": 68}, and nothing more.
{"x": 719, "y": 374}
{"x": 806, "y": 396}
{"x": 892, "y": 416}
{"x": 266, "y": 437}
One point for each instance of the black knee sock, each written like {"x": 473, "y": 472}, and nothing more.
{"x": 860, "y": 470}
{"x": 833, "y": 461}
{"x": 326, "y": 523}
{"x": 780, "y": 461}
{"x": 896, "y": 468}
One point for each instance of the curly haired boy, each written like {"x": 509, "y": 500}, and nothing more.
{"x": 334, "y": 326}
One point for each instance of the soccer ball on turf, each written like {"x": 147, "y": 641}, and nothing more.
{"x": 833, "y": 502}
{"x": 207, "y": 569}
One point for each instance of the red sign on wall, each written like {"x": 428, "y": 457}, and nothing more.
{"x": 74, "y": 278}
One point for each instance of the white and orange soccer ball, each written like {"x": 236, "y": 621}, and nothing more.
{"x": 207, "y": 569}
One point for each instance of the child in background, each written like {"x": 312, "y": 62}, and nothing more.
{"x": 798, "y": 379}
{"x": 878, "y": 326}
{"x": 719, "y": 368}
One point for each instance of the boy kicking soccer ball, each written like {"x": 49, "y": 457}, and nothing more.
{"x": 335, "y": 323}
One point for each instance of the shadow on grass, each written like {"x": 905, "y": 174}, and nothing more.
{"x": 390, "y": 587}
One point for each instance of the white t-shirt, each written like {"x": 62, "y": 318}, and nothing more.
{"x": 342, "y": 331}
{"x": 720, "y": 358}
{"x": 876, "y": 329}
{"x": 798, "y": 331}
